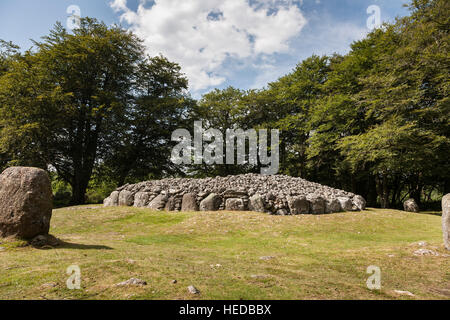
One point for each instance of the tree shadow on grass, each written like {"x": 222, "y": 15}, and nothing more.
{"x": 78, "y": 246}
{"x": 55, "y": 243}
{"x": 432, "y": 213}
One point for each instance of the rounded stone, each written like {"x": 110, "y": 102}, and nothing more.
{"x": 126, "y": 198}
{"x": 299, "y": 205}
{"x": 318, "y": 205}
{"x": 189, "y": 202}
{"x": 211, "y": 203}
{"x": 141, "y": 199}
{"x": 256, "y": 203}
{"x": 25, "y": 202}
{"x": 411, "y": 205}
{"x": 234, "y": 204}
{"x": 112, "y": 200}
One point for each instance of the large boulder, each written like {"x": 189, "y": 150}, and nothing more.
{"x": 25, "y": 202}
{"x": 126, "y": 198}
{"x": 346, "y": 203}
{"x": 112, "y": 200}
{"x": 141, "y": 199}
{"x": 333, "y": 206}
{"x": 170, "y": 204}
{"x": 359, "y": 202}
{"x": 446, "y": 220}
{"x": 318, "y": 205}
{"x": 211, "y": 203}
{"x": 410, "y": 205}
{"x": 298, "y": 205}
{"x": 256, "y": 203}
{"x": 234, "y": 204}
{"x": 159, "y": 203}
{"x": 189, "y": 202}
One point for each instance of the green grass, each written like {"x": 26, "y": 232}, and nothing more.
{"x": 314, "y": 257}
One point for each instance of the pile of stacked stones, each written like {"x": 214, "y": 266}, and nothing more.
{"x": 279, "y": 195}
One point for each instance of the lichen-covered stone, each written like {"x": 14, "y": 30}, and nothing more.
{"x": 346, "y": 203}
{"x": 189, "y": 202}
{"x": 141, "y": 199}
{"x": 359, "y": 202}
{"x": 112, "y": 200}
{"x": 411, "y": 205}
{"x": 299, "y": 205}
{"x": 256, "y": 203}
{"x": 234, "y": 204}
{"x": 159, "y": 203}
{"x": 126, "y": 198}
{"x": 332, "y": 206}
{"x": 25, "y": 202}
{"x": 211, "y": 203}
{"x": 318, "y": 205}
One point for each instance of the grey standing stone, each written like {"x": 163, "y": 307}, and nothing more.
{"x": 126, "y": 198}
{"x": 141, "y": 199}
{"x": 256, "y": 203}
{"x": 410, "y": 205}
{"x": 281, "y": 212}
{"x": 211, "y": 203}
{"x": 346, "y": 204}
{"x": 112, "y": 200}
{"x": 446, "y": 220}
{"x": 359, "y": 202}
{"x": 234, "y": 204}
{"x": 189, "y": 202}
{"x": 170, "y": 204}
{"x": 333, "y": 206}
{"x": 158, "y": 203}
{"x": 299, "y": 205}
{"x": 25, "y": 202}
{"x": 317, "y": 205}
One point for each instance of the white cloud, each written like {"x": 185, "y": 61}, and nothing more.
{"x": 201, "y": 35}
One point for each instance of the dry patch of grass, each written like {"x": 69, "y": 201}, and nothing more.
{"x": 310, "y": 257}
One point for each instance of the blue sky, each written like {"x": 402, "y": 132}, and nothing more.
{"x": 244, "y": 43}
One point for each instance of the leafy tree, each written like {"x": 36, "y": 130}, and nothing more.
{"x": 407, "y": 94}
{"x": 294, "y": 97}
{"x": 66, "y": 103}
{"x": 141, "y": 143}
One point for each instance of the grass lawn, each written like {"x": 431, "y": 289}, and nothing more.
{"x": 312, "y": 257}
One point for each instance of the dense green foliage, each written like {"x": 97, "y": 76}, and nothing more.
{"x": 88, "y": 103}
{"x": 92, "y": 107}
{"x": 375, "y": 121}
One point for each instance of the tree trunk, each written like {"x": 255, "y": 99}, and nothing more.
{"x": 382, "y": 191}
{"x": 371, "y": 192}
{"x": 79, "y": 193}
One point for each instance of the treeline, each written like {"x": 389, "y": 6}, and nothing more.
{"x": 374, "y": 122}
{"x": 93, "y": 108}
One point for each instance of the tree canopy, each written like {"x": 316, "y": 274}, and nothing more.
{"x": 83, "y": 100}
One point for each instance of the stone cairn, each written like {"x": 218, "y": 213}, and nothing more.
{"x": 278, "y": 195}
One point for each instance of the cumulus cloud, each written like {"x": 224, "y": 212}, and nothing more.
{"x": 202, "y": 35}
